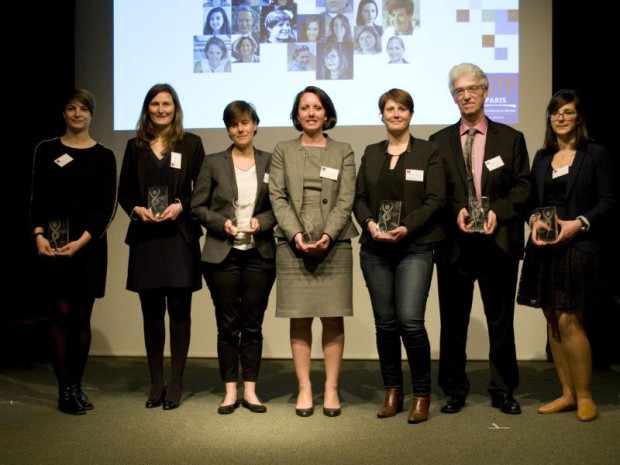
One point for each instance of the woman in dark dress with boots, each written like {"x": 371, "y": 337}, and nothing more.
{"x": 73, "y": 202}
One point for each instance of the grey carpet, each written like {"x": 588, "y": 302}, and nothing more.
{"x": 121, "y": 431}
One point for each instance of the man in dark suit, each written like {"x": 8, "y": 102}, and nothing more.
{"x": 500, "y": 171}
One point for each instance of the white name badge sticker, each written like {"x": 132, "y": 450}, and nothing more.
{"x": 266, "y": 178}
{"x": 494, "y": 163}
{"x": 559, "y": 172}
{"x": 414, "y": 175}
{"x": 329, "y": 173}
{"x": 63, "y": 160}
{"x": 175, "y": 160}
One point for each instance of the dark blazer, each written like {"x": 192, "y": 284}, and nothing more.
{"x": 212, "y": 204}
{"x": 589, "y": 192}
{"x": 507, "y": 187}
{"x": 132, "y": 190}
{"x": 422, "y": 201}
{"x": 286, "y": 188}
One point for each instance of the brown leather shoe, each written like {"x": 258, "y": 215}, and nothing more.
{"x": 419, "y": 409}
{"x": 392, "y": 404}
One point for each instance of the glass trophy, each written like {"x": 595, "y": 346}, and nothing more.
{"x": 311, "y": 219}
{"x": 241, "y": 222}
{"x": 547, "y": 216}
{"x": 389, "y": 215}
{"x": 478, "y": 212}
{"x": 157, "y": 200}
{"x": 58, "y": 233}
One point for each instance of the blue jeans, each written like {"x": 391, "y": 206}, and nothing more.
{"x": 398, "y": 284}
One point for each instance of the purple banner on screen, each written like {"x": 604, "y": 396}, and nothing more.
{"x": 502, "y": 103}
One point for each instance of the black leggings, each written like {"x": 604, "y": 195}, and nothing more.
{"x": 153, "y": 311}
{"x": 70, "y": 337}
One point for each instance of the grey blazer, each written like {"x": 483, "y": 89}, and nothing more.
{"x": 286, "y": 186}
{"x": 212, "y": 204}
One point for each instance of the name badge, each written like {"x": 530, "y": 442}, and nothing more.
{"x": 63, "y": 160}
{"x": 175, "y": 160}
{"x": 414, "y": 175}
{"x": 494, "y": 163}
{"x": 559, "y": 172}
{"x": 329, "y": 173}
{"x": 266, "y": 178}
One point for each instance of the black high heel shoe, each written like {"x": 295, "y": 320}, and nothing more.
{"x": 171, "y": 404}
{"x": 332, "y": 412}
{"x": 304, "y": 412}
{"x": 154, "y": 403}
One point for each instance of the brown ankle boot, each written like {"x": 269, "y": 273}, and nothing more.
{"x": 419, "y": 409}
{"x": 392, "y": 404}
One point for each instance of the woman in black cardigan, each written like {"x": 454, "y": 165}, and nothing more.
{"x": 160, "y": 166}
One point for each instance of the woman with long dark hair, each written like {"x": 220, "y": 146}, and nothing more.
{"x": 160, "y": 167}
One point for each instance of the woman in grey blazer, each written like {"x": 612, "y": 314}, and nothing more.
{"x": 312, "y": 187}
{"x": 231, "y": 200}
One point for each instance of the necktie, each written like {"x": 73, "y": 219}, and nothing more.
{"x": 471, "y": 190}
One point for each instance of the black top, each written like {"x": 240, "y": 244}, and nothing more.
{"x": 78, "y": 185}
{"x": 555, "y": 193}
{"x": 163, "y": 254}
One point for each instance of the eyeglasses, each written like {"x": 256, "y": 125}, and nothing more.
{"x": 568, "y": 115}
{"x": 460, "y": 91}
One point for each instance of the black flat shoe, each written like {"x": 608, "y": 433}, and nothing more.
{"x": 304, "y": 412}
{"x": 254, "y": 408}
{"x": 332, "y": 412}
{"x": 154, "y": 403}
{"x": 171, "y": 404}
{"x": 227, "y": 409}
{"x": 506, "y": 403}
{"x": 453, "y": 404}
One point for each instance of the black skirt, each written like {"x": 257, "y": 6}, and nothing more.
{"x": 560, "y": 280}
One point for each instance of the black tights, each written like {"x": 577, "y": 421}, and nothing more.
{"x": 153, "y": 312}
{"x": 70, "y": 338}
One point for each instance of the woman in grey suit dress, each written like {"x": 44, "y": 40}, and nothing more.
{"x": 231, "y": 200}
{"x": 312, "y": 188}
